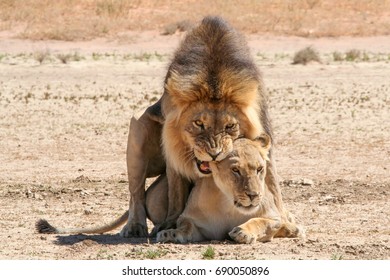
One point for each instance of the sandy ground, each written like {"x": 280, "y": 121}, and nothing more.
{"x": 63, "y": 132}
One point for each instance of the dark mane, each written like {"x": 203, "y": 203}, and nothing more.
{"x": 214, "y": 63}
{"x": 210, "y": 46}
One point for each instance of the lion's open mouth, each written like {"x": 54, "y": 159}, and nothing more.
{"x": 203, "y": 166}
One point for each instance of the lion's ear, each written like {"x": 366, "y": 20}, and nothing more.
{"x": 265, "y": 142}
{"x": 180, "y": 89}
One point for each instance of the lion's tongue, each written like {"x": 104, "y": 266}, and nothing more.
{"x": 204, "y": 166}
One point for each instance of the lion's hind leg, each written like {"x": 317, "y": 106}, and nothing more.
{"x": 137, "y": 165}
{"x": 144, "y": 160}
{"x": 256, "y": 229}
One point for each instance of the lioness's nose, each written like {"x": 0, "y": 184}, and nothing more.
{"x": 252, "y": 195}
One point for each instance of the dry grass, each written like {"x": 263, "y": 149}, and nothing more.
{"x": 86, "y": 19}
{"x": 306, "y": 56}
{"x": 41, "y": 55}
{"x": 353, "y": 55}
{"x": 337, "y": 56}
{"x": 181, "y": 26}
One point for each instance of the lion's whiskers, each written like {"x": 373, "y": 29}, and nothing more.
{"x": 188, "y": 156}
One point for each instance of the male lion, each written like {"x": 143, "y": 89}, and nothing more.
{"x": 235, "y": 201}
{"x": 213, "y": 93}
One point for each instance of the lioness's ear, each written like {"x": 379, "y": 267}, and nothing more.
{"x": 265, "y": 142}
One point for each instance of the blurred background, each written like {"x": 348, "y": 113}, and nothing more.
{"x": 73, "y": 20}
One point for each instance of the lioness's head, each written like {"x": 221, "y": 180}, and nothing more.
{"x": 241, "y": 175}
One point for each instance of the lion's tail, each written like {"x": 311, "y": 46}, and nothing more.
{"x": 43, "y": 226}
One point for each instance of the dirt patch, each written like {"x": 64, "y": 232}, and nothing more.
{"x": 63, "y": 132}
{"x": 344, "y": 220}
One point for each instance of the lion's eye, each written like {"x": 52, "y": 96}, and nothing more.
{"x": 235, "y": 170}
{"x": 260, "y": 170}
{"x": 199, "y": 123}
{"x": 230, "y": 126}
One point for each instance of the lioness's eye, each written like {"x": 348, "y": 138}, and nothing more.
{"x": 198, "y": 123}
{"x": 260, "y": 170}
{"x": 235, "y": 170}
{"x": 230, "y": 126}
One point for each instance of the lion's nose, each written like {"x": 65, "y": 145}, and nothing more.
{"x": 214, "y": 154}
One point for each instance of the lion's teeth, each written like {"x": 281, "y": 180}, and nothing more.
{"x": 205, "y": 166}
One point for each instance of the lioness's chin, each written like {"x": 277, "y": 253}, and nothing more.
{"x": 246, "y": 209}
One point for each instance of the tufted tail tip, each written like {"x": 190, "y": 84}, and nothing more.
{"x": 43, "y": 226}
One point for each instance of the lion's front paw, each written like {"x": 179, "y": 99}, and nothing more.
{"x": 134, "y": 230}
{"x": 170, "y": 235}
{"x": 239, "y": 235}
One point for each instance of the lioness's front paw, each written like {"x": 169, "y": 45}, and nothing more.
{"x": 239, "y": 235}
{"x": 164, "y": 226}
{"x": 134, "y": 230}
{"x": 170, "y": 235}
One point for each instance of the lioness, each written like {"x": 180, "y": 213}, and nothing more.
{"x": 213, "y": 93}
{"x": 235, "y": 201}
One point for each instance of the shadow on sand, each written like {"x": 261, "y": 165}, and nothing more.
{"x": 107, "y": 239}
